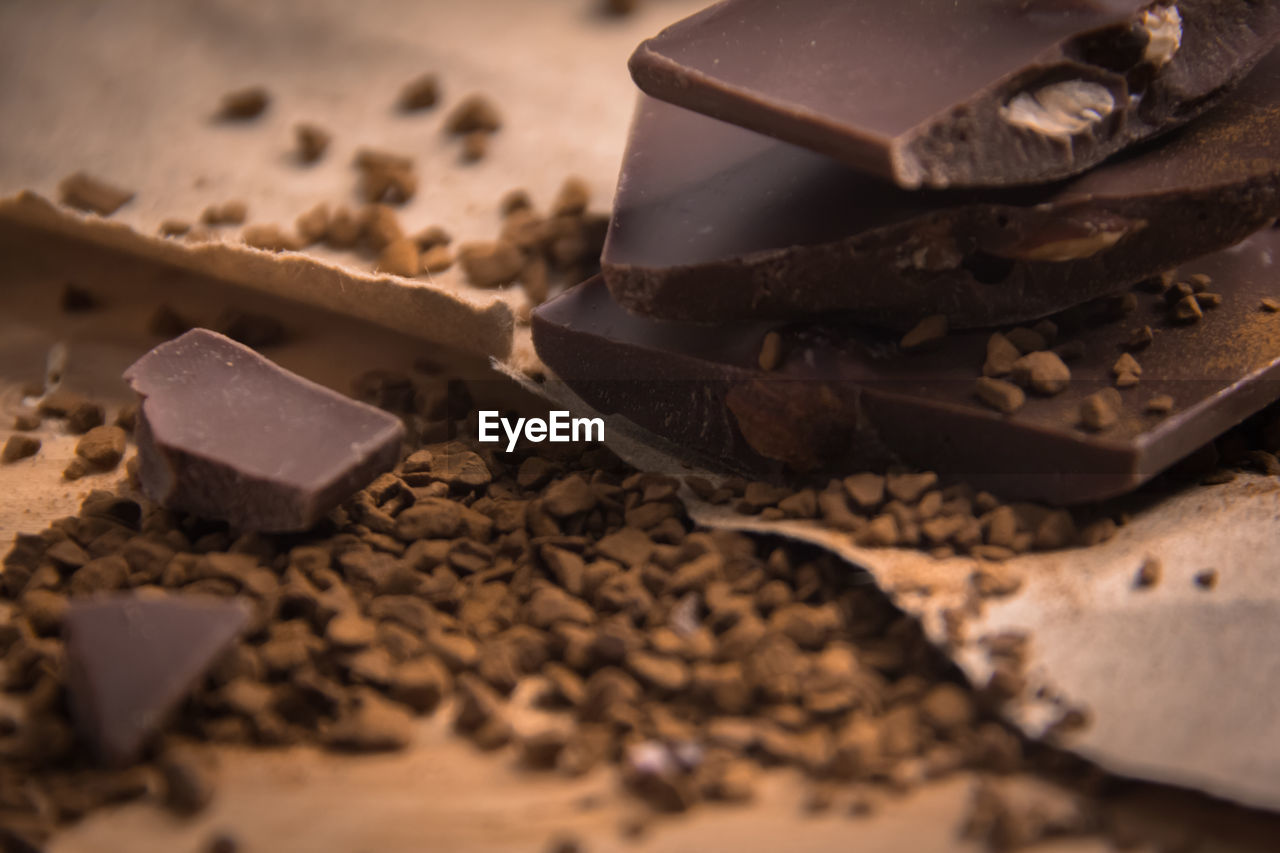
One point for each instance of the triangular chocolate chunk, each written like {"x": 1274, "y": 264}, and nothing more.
{"x": 130, "y": 660}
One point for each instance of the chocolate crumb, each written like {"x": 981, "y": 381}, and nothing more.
{"x": 1149, "y": 573}
{"x": 437, "y": 259}
{"x": 618, "y": 8}
{"x": 770, "y": 351}
{"x": 1270, "y": 305}
{"x": 244, "y": 104}
{"x": 1026, "y": 340}
{"x": 1199, "y": 282}
{"x": 83, "y": 416}
{"x": 26, "y": 421}
{"x": 188, "y": 784}
{"x": 270, "y": 238}
{"x": 256, "y": 331}
{"x": 1000, "y": 395}
{"x": 1126, "y": 371}
{"x": 1187, "y": 310}
{"x": 232, "y": 212}
{"x": 312, "y": 141}
{"x": 1161, "y": 404}
{"x": 75, "y": 469}
{"x": 475, "y": 145}
{"x": 85, "y": 192}
{"x": 572, "y": 198}
{"x": 313, "y": 225}
{"x": 514, "y": 200}
{"x": 432, "y": 236}
{"x": 400, "y": 257}
{"x": 1141, "y": 339}
{"x": 490, "y": 264}
{"x": 475, "y": 112}
{"x": 174, "y": 227}
{"x": 419, "y": 93}
{"x": 929, "y": 330}
{"x": 102, "y": 447}
{"x": 19, "y": 447}
{"x": 1206, "y": 578}
{"x": 1100, "y": 410}
{"x": 1043, "y": 372}
{"x": 1001, "y": 354}
{"x": 385, "y": 177}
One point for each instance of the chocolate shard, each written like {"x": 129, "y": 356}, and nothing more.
{"x": 715, "y": 222}
{"x": 224, "y": 433}
{"x": 843, "y": 398}
{"x": 131, "y": 660}
{"x": 974, "y": 93}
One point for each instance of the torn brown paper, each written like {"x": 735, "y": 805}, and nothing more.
{"x": 1178, "y": 683}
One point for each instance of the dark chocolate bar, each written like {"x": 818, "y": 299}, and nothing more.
{"x": 226, "y": 434}
{"x": 713, "y": 222}
{"x": 971, "y": 93}
{"x": 841, "y": 399}
{"x": 132, "y": 660}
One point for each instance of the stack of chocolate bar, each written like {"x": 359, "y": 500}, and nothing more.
{"x": 1025, "y": 244}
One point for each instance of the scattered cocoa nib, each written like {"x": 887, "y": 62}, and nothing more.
{"x": 1001, "y": 354}
{"x": 1004, "y": 397}
{"x": 419, "y": 93}
{"x": 1043, "y": 372}
{"x": 432, "y": 236}
{"x": 1027, "y": 340}
{"x": 232, "y": 212}
{"x": 19, "y": 447}
{"x": 1161, "y": 404}
{"x": 85, "y": 192}
{"x": 313, "y": 225}
{"x": 1270, "y": 305}
{"x": 385, "y": 177}
{"x": 437, "y": 259}
{"x": 490, "y": 264}
{"x": 928, "y": 331}
{"x": 1149, "y": 573}
{"x": 1187, "y": 310}
{"x": 1207, "y": 578}
{"x": 475, "y": 112}
{"x": 770, "y": 351}
{"x": 1101, "y": 410}
{"x": 102, "y": 447}
{"x": 168, "y": 323}
{"x": 618, "y": 7}
{"x": 174, "y": 227}
{"x": 270, "y": 238}
{"x": 26, "y": 420}
{"x": 243, "y": 104}
{"x": 400, "y": 257}
{"x": 312, "y": 141}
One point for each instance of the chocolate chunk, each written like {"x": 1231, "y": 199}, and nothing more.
{"x": 843, "y": 400}
{"x": 85, "y": 192}
{"x": 712, "y": 222}
{"x": 959, "y": 94}
{"x": 131, "y": 660}
{"x": 226, "y": 434}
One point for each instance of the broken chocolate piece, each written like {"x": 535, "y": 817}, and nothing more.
{"x": 224, "y": 433}
{"x": 131, "y": 660}
{"x": 957, "y": 94}
{"x": 712, "y": 222}
{"x": 844, "y": 398}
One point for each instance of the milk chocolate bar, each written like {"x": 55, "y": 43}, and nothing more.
{"x": 714, "y": 222}
{"x": 226, "y": 434}
{"x": 973, "y": 93}
{"x": 840, "y": 398}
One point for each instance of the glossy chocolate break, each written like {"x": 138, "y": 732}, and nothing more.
{"x": 973, "y": 93}
{"x": 713, "y": 222}
{"x": 226, "y": 434}
{"x": 844, "y": 399}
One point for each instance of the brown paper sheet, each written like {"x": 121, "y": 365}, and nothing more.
{"x": 1178, "y": 682}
